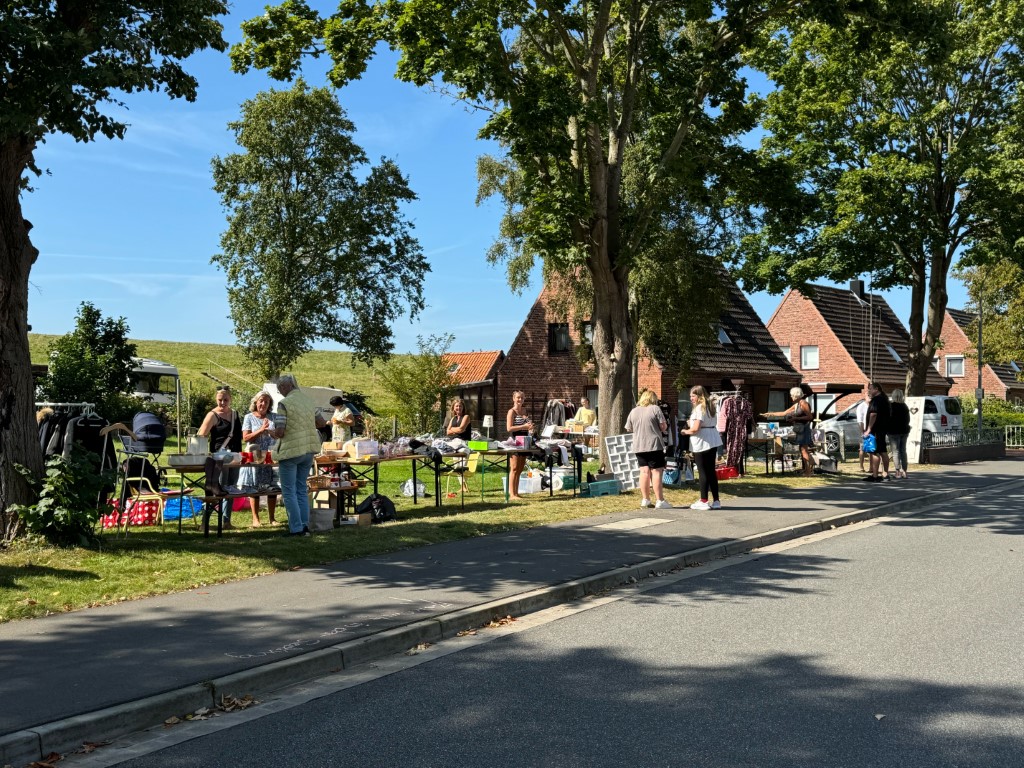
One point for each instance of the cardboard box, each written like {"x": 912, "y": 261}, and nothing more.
{"x": 362, "y": 519}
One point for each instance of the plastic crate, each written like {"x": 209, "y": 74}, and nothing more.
{"x": 603, "y": 488}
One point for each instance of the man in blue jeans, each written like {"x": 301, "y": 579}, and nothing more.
{"x": 296, "y": 426}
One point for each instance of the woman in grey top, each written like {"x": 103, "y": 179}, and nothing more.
{"x": 647, "y": 423}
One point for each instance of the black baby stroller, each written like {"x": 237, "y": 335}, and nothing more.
{"x": 139, "y": 466}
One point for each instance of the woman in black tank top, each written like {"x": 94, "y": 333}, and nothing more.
{"x": 519, "y": 424}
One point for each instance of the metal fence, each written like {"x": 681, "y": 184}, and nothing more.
{"x": 1014, "y": 435}
{"x": 958, "y": 437}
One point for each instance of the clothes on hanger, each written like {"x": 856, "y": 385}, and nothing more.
{"x": 738, "y": 414}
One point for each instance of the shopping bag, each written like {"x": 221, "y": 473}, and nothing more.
{"x": 870, "y": 445}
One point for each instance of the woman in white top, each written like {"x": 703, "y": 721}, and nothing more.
{"x": 704, "y": 441}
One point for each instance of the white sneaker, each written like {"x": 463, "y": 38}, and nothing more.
{"x": 645, "y": 503}
{"x": 663, "y": 505}
{"x": 700, "y": 505}
{"x": 716, "y": 504}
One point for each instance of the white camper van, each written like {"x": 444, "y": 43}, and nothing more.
{"x": 154, "y": 380}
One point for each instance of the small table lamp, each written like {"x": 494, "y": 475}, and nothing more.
{"x": 487, "y": 423}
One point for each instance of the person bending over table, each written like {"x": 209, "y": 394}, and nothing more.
{"x": 257, "y": 431}
{"x": 519, "y": 424}
{"x": 458, "y": 426}
{"x": 296, "y": 426}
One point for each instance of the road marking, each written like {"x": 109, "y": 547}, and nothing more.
{"x": 634, "y": 523}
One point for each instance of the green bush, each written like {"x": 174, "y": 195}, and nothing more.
{"x": 994, "y": 412}
{"x": 66, "y": 511}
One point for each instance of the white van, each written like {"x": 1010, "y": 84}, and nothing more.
{"x": 154, "y": 380}
{"x": 942, "y": 413}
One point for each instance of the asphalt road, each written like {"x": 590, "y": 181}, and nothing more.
{"x": 897, "y": 644}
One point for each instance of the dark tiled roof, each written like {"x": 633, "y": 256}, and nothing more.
{"x": 474, "y": 367}
{"x": 753, "y": 351}
{"x": 852, "y": 319}
{"x": 1004, "y": 371}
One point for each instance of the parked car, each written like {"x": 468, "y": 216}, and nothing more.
{"x": 941, "y": 414}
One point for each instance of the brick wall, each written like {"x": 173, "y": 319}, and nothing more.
{"x": 955, "y": 342}
{"x": 542, "y": 376}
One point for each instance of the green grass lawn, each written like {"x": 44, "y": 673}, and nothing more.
{"x": 36, "y": 579}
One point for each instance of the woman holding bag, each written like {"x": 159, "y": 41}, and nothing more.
{"x": 800, "y": 416}
{"x": 224, "y": 428}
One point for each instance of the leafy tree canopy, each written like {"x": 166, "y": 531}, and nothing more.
{"x": 420, "y": 383}
{"x": 91, "y": 364}
{"x": 313, "y": 250}
{"x": 997, "y": 287}
{"x": 65, "y": 60}
{"x": 903, "y": 153}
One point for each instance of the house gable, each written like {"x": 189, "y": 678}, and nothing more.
{"x": 858, "y": 336}
{"x": 997, "y": 379}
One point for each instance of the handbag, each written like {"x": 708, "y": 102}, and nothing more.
{"x": 870, "y": 445}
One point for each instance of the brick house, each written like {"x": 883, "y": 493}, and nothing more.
{"x": 838, "y": 339}
{"x": 958, "y": 360}
{"x": 743, "y": 355}
{"x": 477, "y": 374}
{"x": 543, "y": 363}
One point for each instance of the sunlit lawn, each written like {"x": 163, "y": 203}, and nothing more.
{"x": 36, "y": 579}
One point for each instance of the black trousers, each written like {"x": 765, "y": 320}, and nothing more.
{"x": 705, "y": 461}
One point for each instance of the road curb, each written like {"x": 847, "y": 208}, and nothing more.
{"x": 22, "y": 747}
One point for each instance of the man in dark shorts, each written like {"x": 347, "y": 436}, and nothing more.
{"x": 878, "y": 425}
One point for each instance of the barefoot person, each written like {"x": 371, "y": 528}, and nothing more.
{"x": 519, "y": 424}
{"x": 459, "y": 426}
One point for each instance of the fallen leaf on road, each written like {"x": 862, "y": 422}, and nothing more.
{"x": 879, "y": 717}
{"x": 499, "y": 622}
{"x": 232, "y": 704}
{"x": 172, "y": 720}
{"x": 466, "y": 632}
{"x": 47, "y": 762}
{"x": 90, "y": 746}
{"x": 417, "y": 648}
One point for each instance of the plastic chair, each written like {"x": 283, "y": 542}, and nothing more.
{"x": 467, "y": 466}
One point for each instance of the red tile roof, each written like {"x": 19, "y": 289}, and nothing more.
{"x": 1005, "y": 372}
{"x": 474, "y": 367}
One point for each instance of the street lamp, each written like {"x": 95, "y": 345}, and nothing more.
{"x": 979, "y": 393}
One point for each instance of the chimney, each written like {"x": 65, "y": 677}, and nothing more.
{"x": 857, "y": 288}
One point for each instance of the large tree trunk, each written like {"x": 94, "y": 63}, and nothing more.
{"x": 19, "y": 441}
{"x": 614, "y": 348}
{"x": 927, "y": 338}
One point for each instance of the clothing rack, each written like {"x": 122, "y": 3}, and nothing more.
{"x": 88, "y": 409}
{"x": 727, "y": 393}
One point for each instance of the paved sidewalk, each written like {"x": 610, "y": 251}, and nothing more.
{"x": 150, "y": 659}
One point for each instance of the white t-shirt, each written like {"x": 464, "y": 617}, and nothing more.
{"x": 707, "y": 436}
{"x": 862, "y": 414}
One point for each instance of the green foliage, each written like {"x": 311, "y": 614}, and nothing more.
{"x": 609, "y": 116}
{"x": 420, "y": 384}
{"x": 64, "y": 60}
{"x": 312, "y": 251}
{"x": 66, "y": 511}
{"x": 903, "y": 146}
{"x": 91, "y": 364}
{"x": 994, "y": 412}
{"x": 998, "y": 286}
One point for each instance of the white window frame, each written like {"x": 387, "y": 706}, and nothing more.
{"x": 804, "y": 364}
{"x": 959, "y": 359}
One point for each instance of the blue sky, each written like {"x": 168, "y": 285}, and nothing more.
{"x": 131, "y": 225}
